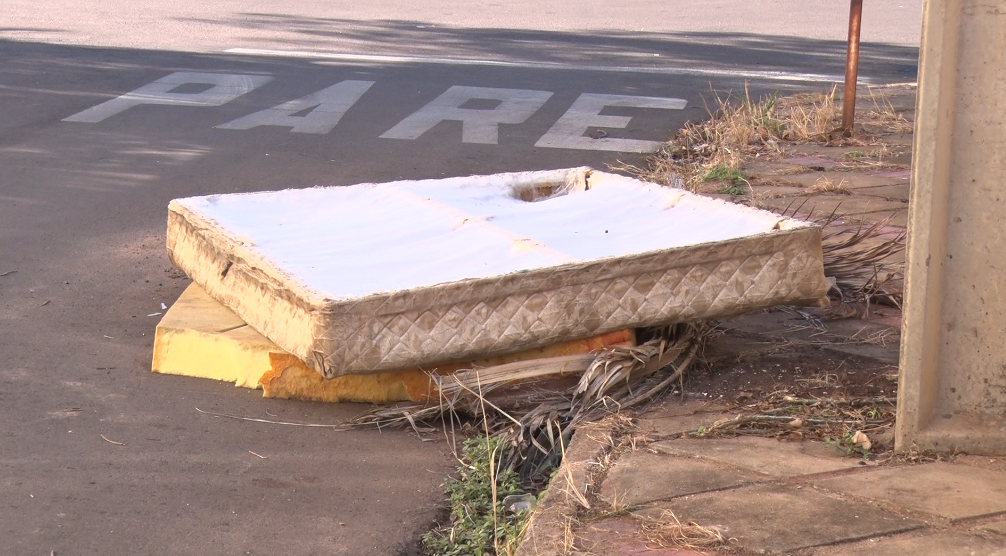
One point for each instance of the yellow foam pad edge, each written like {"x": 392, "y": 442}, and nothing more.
{"x": 199, "y": 337}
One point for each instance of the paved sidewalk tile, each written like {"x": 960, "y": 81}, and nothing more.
{"x": 761, "y": 455}
{"x": 812, "y": 161}
{"x": 947, "y": 490}
{"x": 929, "y": 543}
{"x": 851, "y": 180}
{"x": 772, "y": 191}
{"x": 640, "y": 477}
{"x": 893, "y": 192}
{"x": 841, "y": 204}
{"x": 663, "y": 424}
{"x": 902, "y": 175}
{"x": 898, "y": 218}
{"x": 777, "y": 519}
{"x": 885, "y": 354}
{"x": 995, "y": 527}
{"x": 620, "y": 536}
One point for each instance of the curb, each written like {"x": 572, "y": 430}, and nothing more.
{"x": 548, "y": 528}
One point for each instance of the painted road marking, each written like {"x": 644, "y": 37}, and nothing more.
{"x": 342, "y": 58}
{"x": 477, "y": 125}
{"x": 224, "y": 87}
{"x": 321, "y": 111}
{"x": 329, "y": 105}
{"x": 568, "y": 132}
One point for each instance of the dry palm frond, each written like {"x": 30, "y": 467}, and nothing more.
{"x": 858, "y": 258}
{"x": 535, "y": 424}
{"x": 400, "y": 416}
{"x": 666, "y": 530}
{"x": 859, "y": 262}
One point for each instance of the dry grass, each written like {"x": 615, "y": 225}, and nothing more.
{"x": 819, "y": 380}
{"x": 667, "y": 531}
{"x": 568, "y": 545}
{"x": 571, "y": 486}
{"x": 742, "y": 128}
{"x": 825, "y": 185}
{"x": 877, "y": 338}
{"x": 884, "y": 116}
{"x": 738, "y": 129}
{"x": 810, "y": 117}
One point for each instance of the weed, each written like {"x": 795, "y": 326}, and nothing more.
{"x": 722, "y": 172}
{"x": 855, "y": 154}
{"x": 849, "y": 445}
{"x": 480, "y": 525}
{"x": 732, "y": 190}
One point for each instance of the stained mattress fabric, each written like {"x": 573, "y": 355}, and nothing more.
{"x": 377, "y": 277}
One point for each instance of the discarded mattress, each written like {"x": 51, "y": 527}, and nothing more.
{"x": 376, "y": 277}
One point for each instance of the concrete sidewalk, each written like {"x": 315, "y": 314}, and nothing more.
{"x": 767, "y": 493}
{"x": 777, "y": 497}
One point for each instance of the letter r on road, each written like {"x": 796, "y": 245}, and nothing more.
{"x": 477, "y": 126}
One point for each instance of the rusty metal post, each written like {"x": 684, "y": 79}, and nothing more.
{"x": 851, "y": 68}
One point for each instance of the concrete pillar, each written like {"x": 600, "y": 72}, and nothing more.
{"x": 952, "y": 392}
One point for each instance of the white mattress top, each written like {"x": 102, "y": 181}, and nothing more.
{"x": 349, "y": 242}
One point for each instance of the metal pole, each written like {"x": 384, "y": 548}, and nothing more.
{"x": 851, "y": 68}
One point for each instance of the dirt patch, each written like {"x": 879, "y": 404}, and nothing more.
{"x": 802, "y": 372}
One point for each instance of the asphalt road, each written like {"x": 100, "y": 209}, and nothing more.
{"x": 110, "y": 109}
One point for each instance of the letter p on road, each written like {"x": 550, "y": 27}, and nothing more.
{"x": 223, "y": 88}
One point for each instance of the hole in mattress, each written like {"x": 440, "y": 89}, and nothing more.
{"x": 540, "y": 191}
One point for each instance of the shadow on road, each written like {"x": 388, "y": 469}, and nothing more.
{"x": 704, "y": 49}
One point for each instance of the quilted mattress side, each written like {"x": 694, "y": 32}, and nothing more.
{"x": 525, "y": 310}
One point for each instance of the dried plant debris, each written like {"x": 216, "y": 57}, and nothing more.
{"x": 741, "y": 128}
{"x": 827, "y": 186}
{"x": 860, "y": 259}
{"x": 915, "y": 455}
{"x": 667, "y": 531}
{"x": 531, "y": 409}
{"x": 844, "y": 423}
